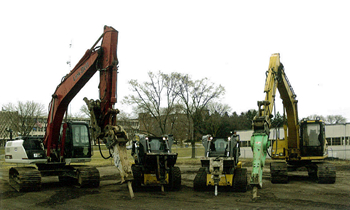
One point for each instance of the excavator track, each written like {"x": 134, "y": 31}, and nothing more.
{"x": 25, "y": 178}
{"x": 88, "y": 176}
{"x": 326, "y": 173}
{"x": 279, "y": 172}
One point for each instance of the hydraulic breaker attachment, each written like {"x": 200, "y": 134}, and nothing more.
{"x": 260, "y": 143}
{"x": 118, "y": 137}
{"x": 114, "y": 137}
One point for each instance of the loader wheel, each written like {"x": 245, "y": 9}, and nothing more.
{"x": 175, "y": 178}
{"x": 137, "y": 172}
{"x": 200, "y": 181}
{"x": 240, "y": 182}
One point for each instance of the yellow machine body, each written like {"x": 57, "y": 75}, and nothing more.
{"x": 225, "y": 180}
{"x": 151, "y": 179}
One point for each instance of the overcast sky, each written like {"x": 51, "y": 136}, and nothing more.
{"x": 229, "y": 42}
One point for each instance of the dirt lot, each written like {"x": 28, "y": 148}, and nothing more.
{"x": 299, "y": 193}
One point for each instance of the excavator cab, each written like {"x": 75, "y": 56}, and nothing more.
{"x": 77, "y": 142}
{"x": 312, "y": 138}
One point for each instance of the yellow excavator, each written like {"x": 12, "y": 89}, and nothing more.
{"x": 304, "y": 143}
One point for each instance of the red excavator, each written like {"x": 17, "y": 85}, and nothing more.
{"x": 67, "y": 143}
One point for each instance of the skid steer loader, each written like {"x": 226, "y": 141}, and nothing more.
{"x": 154, "y": 163}
{"x": 220, "y": 165}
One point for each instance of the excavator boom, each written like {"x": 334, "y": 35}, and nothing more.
{"x": 262, "y": 122}
{"x": 103, "y": 58}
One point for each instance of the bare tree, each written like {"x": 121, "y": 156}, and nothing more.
{"x": 218, "y": 107}
{"x": 27, "y": 116}
{"x": 156, "y": 97}
{"x": 335, "y": 119}
{"x": 163, "y": 97}
{"x": 195, "y": 96}
{"x": 215, "y": 122}
{"x": 81, "y": 114}
{"x": 329, "y": 119}
{"x": 85, "y": 111}
{"x": 7, "y": 124}
{"x": 124, "y": 119}
{"x": 179, "y": 124}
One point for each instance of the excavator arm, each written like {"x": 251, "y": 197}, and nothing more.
{"x": 103, "y": 59}
{"x": 262, "y": 123}
{"x": 65, "y": 92}
{"x": 275, "y": 79}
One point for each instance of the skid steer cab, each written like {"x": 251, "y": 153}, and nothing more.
{"x": 154, "y": 162}
{"x": 220, "y": 165}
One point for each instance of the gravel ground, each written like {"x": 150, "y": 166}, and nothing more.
{"x": 299, "y": 193}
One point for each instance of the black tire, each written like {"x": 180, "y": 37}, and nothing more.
{"x": 137, "y": 172}
{"x": 200, "y": 181}
{"x": 175, "y": 178}
{"x": 240, "y": 182}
